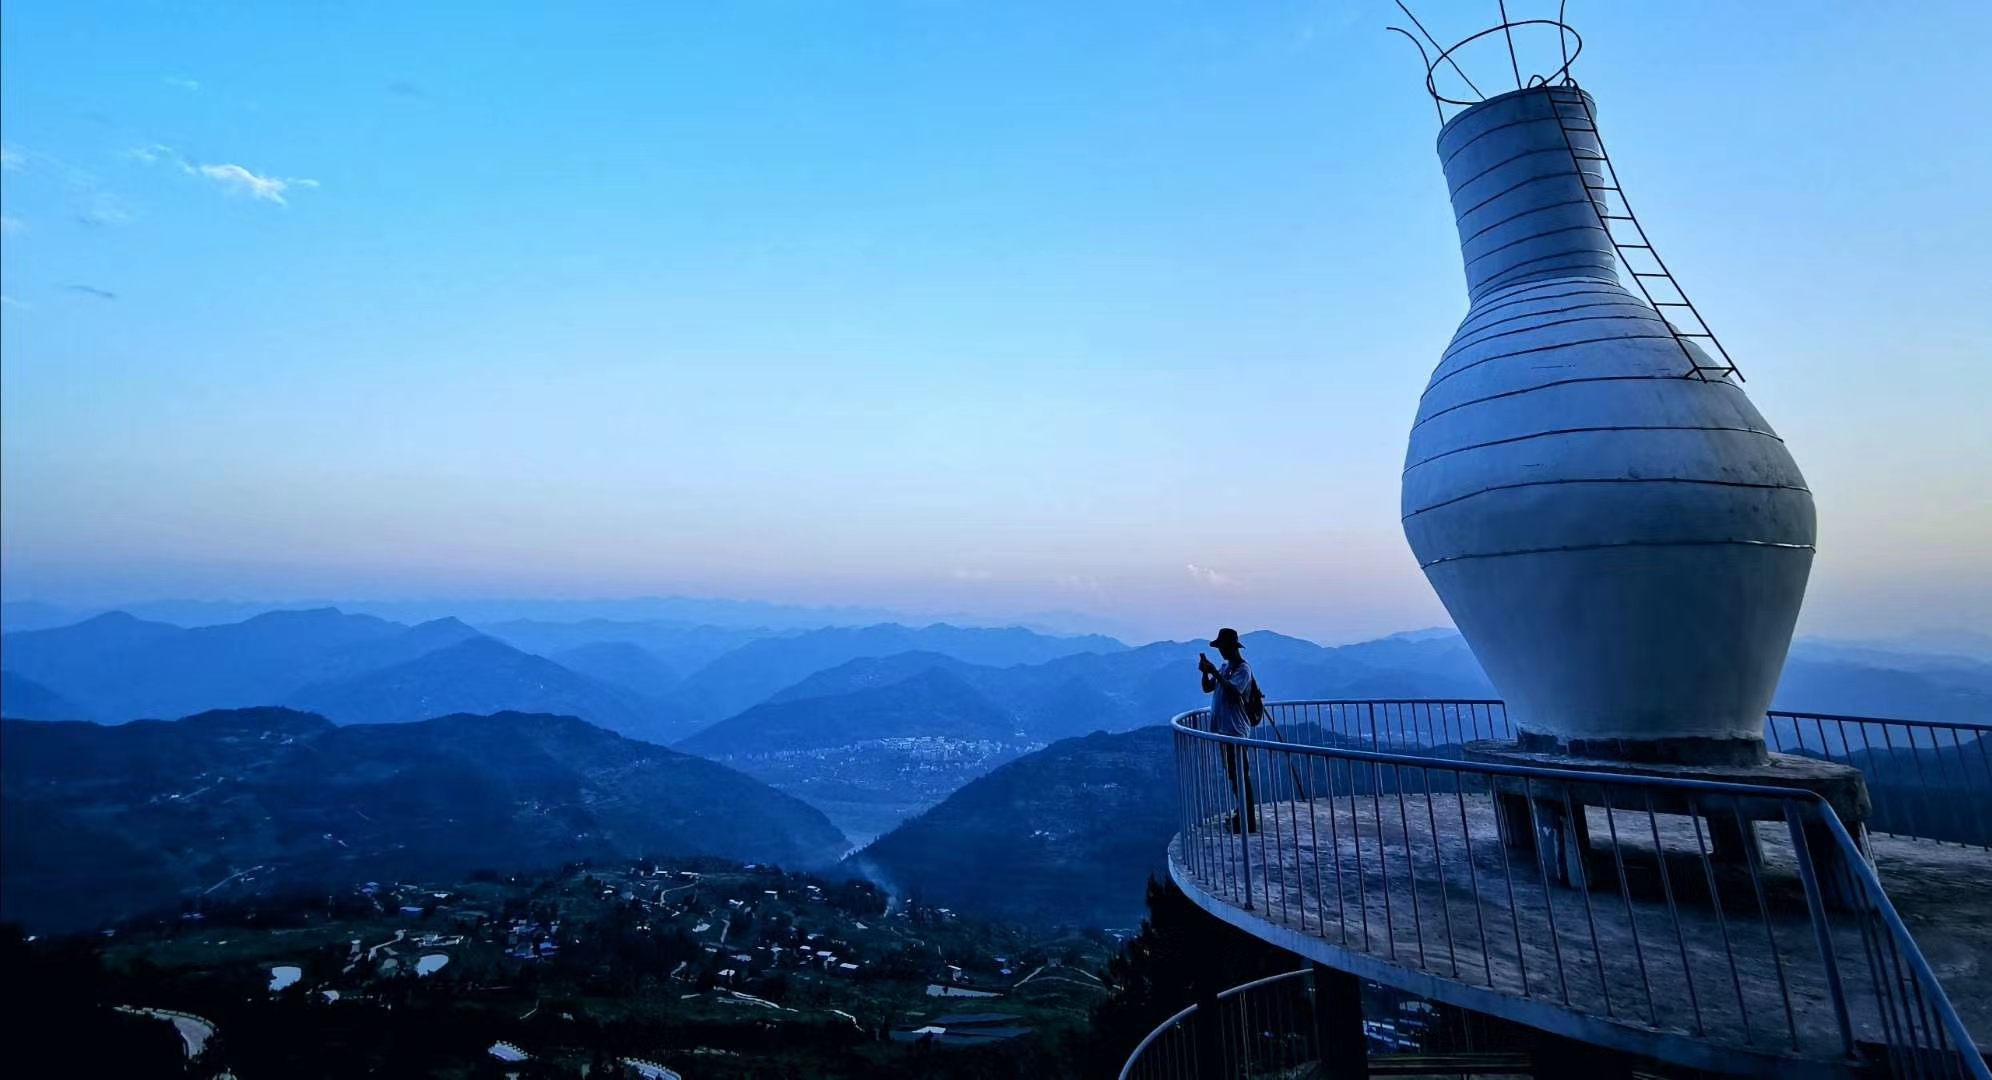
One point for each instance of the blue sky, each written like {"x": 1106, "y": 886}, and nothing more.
{"x": 1110, "y": 307}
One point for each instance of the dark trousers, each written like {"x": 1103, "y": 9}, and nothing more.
{"x": 1237, "y": 765}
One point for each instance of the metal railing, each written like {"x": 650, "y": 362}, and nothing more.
{"x": 1260, "y": 1028}
{"x": 1738, "y": 917}
{"x": 1927, "y": 779}
{"x": 1274, "y": 1027}
{"x": 1930, "y": 780}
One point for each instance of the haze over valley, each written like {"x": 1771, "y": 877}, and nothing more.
{"x": 940, "y": 760}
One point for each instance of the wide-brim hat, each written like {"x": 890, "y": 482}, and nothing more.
{"x": 1226, "y": 636}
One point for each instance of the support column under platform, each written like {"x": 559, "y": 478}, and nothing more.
{"x": 1553, "y": 817}
{"x": 1338, "y": 1023}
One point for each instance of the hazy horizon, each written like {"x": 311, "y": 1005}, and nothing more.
{"x": 767, "y": 613}
{"x": 1121, "y": 310}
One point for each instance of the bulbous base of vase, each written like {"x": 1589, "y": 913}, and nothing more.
{"x": 1635, "y": 643}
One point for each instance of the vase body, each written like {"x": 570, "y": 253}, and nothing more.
{"x": 1624, "y": 545}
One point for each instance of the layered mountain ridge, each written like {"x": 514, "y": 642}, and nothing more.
{"x": 105, "y": 821}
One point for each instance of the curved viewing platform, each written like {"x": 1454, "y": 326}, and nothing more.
{"x": 1736, "y": 927}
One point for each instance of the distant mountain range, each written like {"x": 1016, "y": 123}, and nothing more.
{"x": 620, "y": 663}
{"x": 482, "y": 675}
{"x": 121, "y": 668}
{"x": 106, "y": 821}
{"x": 358, "y": 668}
{"x": 681, "y": 611}
{"x": 1127, "y": 688}
{"x": 20, "y": 695}
{"x": 757, "y": 670}
{"x": 679, "y": 647}
{"x": 871, "y": 725}
{"x": 932, "y": 702}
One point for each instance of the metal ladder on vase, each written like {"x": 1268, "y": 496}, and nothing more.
{"x": 1649, "y": 274}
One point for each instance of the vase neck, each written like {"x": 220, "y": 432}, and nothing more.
{"x": 1523, "y": 210}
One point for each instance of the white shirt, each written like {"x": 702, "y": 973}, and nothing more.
{"x": 1227, "y": 699}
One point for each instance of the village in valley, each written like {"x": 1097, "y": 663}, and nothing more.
{"x": 692, "y": 968}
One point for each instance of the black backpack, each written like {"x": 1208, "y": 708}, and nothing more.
{"x": 1255, "y": 703}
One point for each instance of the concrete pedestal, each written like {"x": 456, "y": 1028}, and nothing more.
{"x": 1549, "y": 816}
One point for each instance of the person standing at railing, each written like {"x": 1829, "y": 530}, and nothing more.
{"x": 1229, "y": 687}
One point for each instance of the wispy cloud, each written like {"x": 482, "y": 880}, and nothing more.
{"x": 13, "y": 158}
{"x": 91, "y": 291}
{"x": 103, "y": 208}
{"x": 8, "y": 301}
{"x": 181, "y": 82}
{"x": 11, "y": 224}
{"x": 232, "y": 178}
{"x": 1206, "y": 576}
{"x": 235, "y": 178}
{"x": 1079, "y": 583}
{"x": 972, "y": 575}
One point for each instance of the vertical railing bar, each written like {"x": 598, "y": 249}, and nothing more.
{"x": 1939, "y": 795}
{"x": 1514, "y": 907}
{"x": 1745, "y": 829}
{"x": 1187, "y": 792}
{"x": 1914, "y": 817}
{"x": 1184, "y": 768}
{"x": 1631, "y": 919}
{"x": 1964, "y": 771}
{"x": 1985, "y": 760}
{"x": 1314, "y": 839}
{"x": 1965, "y": 780}
{"x": 1216, "y": 871}
{"x": 1249, "y": 823}
{"x": 1816, "y": 906}
{"x": 1410, "y": 864}
{"x": 1931, "y": 1031}
{"x": 1673, "y": 911}
{"x": 1580, "y": 851}
{"x": 1879, "y": 985}
{"x": 1293, "y": 805}
{"x": 1439, "y": 867}
{"x": 1721, "y": 920}
{"x": 1473, "y": 881}
{"x": 1335, "y": 841}
{"x": 1382, "y": 849}
{"x": 1548, "y": 897}
{"x": 1356, "y": 838}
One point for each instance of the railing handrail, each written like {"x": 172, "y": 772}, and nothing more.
{"x": 1184, "y": 1013}
{"x": 1533, "y": 772}
{"x": 1796, "y": 714}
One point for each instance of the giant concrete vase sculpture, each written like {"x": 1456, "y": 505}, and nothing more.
{"x": 1623, "y": 544}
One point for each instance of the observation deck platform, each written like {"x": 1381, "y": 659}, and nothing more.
{"x": 1782, "y": 959}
